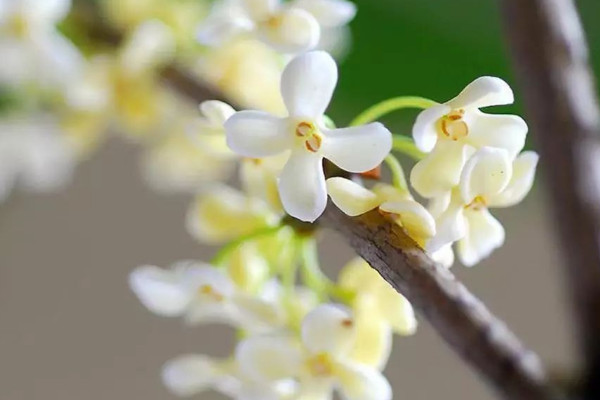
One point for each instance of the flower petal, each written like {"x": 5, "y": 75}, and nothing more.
{"x": 293, "y": 31}
{"x": 357, "y": 148}
{"x": 223, "y": 213}
{"x": 444, "y": 256}
{"x": 502, "y": 131}
{"x": 374, "y": 337}
{"x": 350, "y": 197}
{"x": 329, "y": 328}
{"x": 257, "y": 315}
{"x": 424, "y": 130}
{"x": 302, "y": 186}
{"x": 483, "y": 92}
{"x": 520, "y": 183}
{"x": 257, "y": 134}
{"x": 269, "y": 358}
{"x": 260, "y": 10}
{"x": 451, "y": 226}
{"x": 160, "y": 290}
{"x": 329, "y": 13}
{"x": 189, "y": 374}
{"x": 226, "y": 21}
{"x": 484, "y": 235}
{"x": 216, "y": 112}
{"x": 486, "y": 174}
{"x": 307, "y": 84}
{"x": 414, "y": 218}
{"x": 359, "y": 382}
{"x": 437, "y": 173}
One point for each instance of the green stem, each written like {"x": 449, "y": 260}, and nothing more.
{"x": 385, "y": 107}
{"x": 405, "y": 145}
{"x": 223, "y": 254}
{"x": 398, "y": 177}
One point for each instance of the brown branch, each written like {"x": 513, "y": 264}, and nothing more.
{"x": 551, "y": 60}
{"x": 459, "y": 317}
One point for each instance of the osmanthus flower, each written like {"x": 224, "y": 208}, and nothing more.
{"x": 33, "y": 50}
{"x": 192, "y": 374}
{"x": 307, "y": 85}
{"x": 378, "y": 311}
{"x": 290, "y": 27}
{"x": 320, "y": 361}
{"x": 490, "y": 179}
{"x": 452, "y": 131}
{"x": 202, "y": 293}
{"x": 33, "y": 155}
{"x": 192, "y": 153}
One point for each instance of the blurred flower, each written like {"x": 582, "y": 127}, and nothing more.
{"x": 321, "y": 361}
{"x": 247, "y": 72}
{"x": 201, "y": 293}
{"x": 33, "y": 155}
{"x": 33, "y": 50}
{"x": 285, "y": 27}
{"x": 490, "y": 179}
{"x": 307, "y": 86}
{"x": 451, "y": 132}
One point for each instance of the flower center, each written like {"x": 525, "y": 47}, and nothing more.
{"x": 453, "y": 125}
{"x": 320, "y": 365}
{"x": 209, "y": 291}
{"x": 274, "y": 21}
{"x": 310, "y": 135}
{"x": 478, "y": 204}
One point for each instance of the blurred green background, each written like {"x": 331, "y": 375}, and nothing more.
{"x": 432, "y": 49}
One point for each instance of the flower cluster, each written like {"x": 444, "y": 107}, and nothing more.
{"x": 301, "y": 334}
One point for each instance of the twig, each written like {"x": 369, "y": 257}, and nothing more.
{"x": 551, "y": 60}
{"x": 459, "y": 317}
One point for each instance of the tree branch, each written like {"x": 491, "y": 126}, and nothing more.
{"x": 551, "y": 60}
{"x": 459, "y": 317}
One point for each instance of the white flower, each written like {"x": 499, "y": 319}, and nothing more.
{"x": 490, "y": 179}
{"x": 192, "y": 374}
{"x": 320, "y": 361}
{"x": 353, "y": 199}
{"x": 307, "y": 86}
{"x": 451, "y": 132}
{"x": 201, "y": 293}
{"x": 33, "y": 49}
{"x": 289, "y": 27}
{"x": 33, "y": 155}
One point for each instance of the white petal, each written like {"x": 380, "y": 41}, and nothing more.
{"x": 484, "y": 235}
{"x": 451, "y": 226}
{"x": 190, "y": 374}
{"x": 358, "y": 148}
{"x": 374, "y": 338}
{"x": 257, "y": 134}
{"x": 47, "y": 11}
{"x": 329, "y": 13}
{"x": 302, "y": 186}
{"x": 416, "y": 220}
{"x": 503, "y": 131}
{"x": 439, "y": 204}
{"x": 307, "y": 84}
{"x": 221, "y": 26}
{"x": 269, "y": 358}
{"x": 486, "y": 174}
{"x": 359, "y": 382}
{"x": 520, "y": 183}
{"x": 483, "y": 92}
{"x": 424, "y": 131}
{"x": 160, "y": 290}
{"x": 257, "y": 315}
{"x": 444, "y": 256}
{"x": 203, "y": 275}
{"x": 440, "y": 171}
{"x": 350, "y": 197}
{"x": 329, "y": 328}
{"x": 151, "y": 45}
{"x": 260, "y": 9}
{"x": 294, "y": 31}
{"x": 216, "y": 112}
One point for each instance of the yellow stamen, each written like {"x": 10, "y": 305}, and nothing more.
{"x": 310, "y": 134}
{"x": 453, "y": 126}
{"x": 478, "y": 203}
{"x": 208, "y": 290}
{"x": 320, "y": 365}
